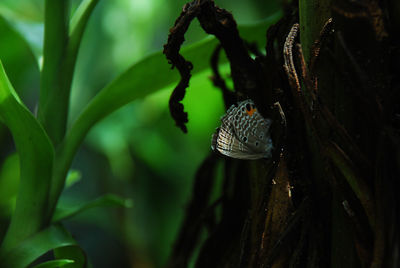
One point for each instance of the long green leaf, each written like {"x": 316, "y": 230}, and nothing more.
{"x": 77, "y": 28}
{"x": 23, "y": 10}
{"x": 153, "y": 73}
{"x": 143, "y": 78}
{"x": 9, "y": 179}
{"x": 36, "y": 160}
{"x": 107, "y": 200}
{"x": 74, "y": 253}
{"x": 80, "y": 19}
{"x": 14, "y": 51}
{"x": 29, "y": 250}
{"x": 54, "y": 263}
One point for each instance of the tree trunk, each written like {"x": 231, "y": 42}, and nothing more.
{"x": 327, "y": 198}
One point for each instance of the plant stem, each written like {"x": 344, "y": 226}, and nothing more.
{"x": 54, "y": 85}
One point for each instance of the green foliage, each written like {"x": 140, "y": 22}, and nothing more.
{"x": 30, "y": 249}
{"x": 33, "y": 178}
{"x": 9, "y": 181}
{"x": 73, "y": 177}
{"x": 54, "y": 263}
{"x": 36, "y": 159}
{"x": 63, "y": 213}
{"x": 74, "y": 253}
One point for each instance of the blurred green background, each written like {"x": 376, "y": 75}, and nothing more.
{"x": 137, "y": 152}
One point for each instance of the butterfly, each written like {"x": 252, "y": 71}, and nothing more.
{"x": 244, "y": 133}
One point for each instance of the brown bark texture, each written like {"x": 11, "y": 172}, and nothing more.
{"x": 328, "y": 196}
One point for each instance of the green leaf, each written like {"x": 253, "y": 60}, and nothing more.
{"x": 35, "y": 246}
{"x": 9, "y": 178}
{"x": 54, "y": 263}
{"x": 14, "y": 51}
{"x": 107, "y": 200}
{"x": 73, "y": 177}
{"x": 80, "y": 19}
{"x": 23, "y": 10}
{"x": 77, "y": 27}
{"x": 36, "y": 160}
{"x": 72, "y": 252}
{"x": 9, "y": 182}
{"x": 151, "y": 74}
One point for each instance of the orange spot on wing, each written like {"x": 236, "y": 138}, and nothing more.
{"x": 251, "y": 112}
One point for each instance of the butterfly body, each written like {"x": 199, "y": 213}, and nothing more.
{"x": 244, "y": 133}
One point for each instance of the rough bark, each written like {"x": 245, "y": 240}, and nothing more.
{"x": 327, "y": 198}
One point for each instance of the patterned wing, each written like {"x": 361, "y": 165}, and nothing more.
{"x": 225, "y": 142}
{"x": 244, "y": 133}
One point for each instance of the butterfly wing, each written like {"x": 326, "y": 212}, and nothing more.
{"x": 258, "y": 137}
{"x": 227, "y": 143}
{"x": 244, "y": 133}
